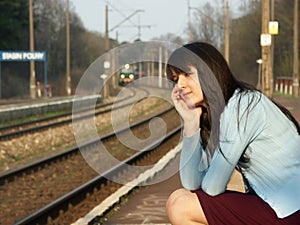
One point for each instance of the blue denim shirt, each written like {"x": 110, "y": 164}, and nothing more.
{"x": 266, "y": 136}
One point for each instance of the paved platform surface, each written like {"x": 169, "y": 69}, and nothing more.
{"x": 292, "y": 104}
{"x": 9, "y": 103}
{"x": 147, "y": 206}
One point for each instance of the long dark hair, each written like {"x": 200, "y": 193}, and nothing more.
{"x": 218, "y": 85}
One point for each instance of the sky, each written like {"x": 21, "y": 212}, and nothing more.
{"x": 154, "y": 17}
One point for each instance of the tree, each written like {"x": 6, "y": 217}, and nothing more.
{"x": 49, "y": 17}
{"x": 169, "y": 37}
{"x": 206, "y": 26}
{"x": 283, "y": 60}
{"x": 51, "y": 37}
{"x": 245, "y": 44}
{"x": 14, "y": 33}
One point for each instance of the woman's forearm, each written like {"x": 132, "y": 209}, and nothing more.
{"x": 192, "y": 162}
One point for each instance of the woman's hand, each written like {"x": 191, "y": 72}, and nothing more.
{"x": 187, "y": 110}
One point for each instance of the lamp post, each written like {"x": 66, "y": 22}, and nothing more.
{"x": 295, "y": 51}
{"x": 31, "y": 47}
{"x": 226, "y": 51}
{"x": 266, "y": 41}
{"x": 259, "y": 62}
{"x": 68, "y": 77}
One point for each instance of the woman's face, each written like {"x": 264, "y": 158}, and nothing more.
{"x": 189, "y": 86}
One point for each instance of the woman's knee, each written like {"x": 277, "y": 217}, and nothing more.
{"x": 175, "y": 196}
{"x": 175, "y": 205}
{"x": 182, "y": 206}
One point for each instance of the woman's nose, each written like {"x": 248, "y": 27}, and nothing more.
{"x": 181, "y": 81}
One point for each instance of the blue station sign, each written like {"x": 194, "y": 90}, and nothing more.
{"x": 22, "y": 56}
{"x": 6, "y": 56}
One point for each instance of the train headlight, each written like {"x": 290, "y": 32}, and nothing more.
{"x": 127, "y": 66}
{"x": 122, "y": 76}
{"x": 131, "y": 76}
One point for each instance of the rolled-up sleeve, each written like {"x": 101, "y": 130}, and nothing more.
{"x": 193, "y": 162}
{"x": 240, "y": 123}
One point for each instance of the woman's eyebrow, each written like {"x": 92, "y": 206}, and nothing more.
{"x": 189, "y": 71}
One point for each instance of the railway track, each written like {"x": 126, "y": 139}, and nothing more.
{"x": 75, "y": 204}
{"x": 45, "y": 181}
{"x": 36, "y": 125}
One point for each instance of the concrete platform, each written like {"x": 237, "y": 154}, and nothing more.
{"x": 147, "y": 206}
{"x": 292, "y": 104}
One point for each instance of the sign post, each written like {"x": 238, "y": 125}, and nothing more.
{"x": 265, "y": 48}
{"x": 24, "y": 56}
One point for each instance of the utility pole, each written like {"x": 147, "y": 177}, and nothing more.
{"x": 226, "y": 51}
{"x": 160, "y": 67}
{"x": 189, "y": 21}
{"x": 295, "y": 46}
{"x": 32, "y": 86}
{"x": 68, "y": 77}
{"x": 107, "y": 63}
{"x": 139, "y": 26}
{"x": 272, "y": 50}
{"x": 116, "y": 62}
{"x": 106, "y": 29}
{"x": 265, "y": 48}
{"x": 128, "y": 18}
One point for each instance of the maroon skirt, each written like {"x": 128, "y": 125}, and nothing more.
{"x": 234, "y": 208}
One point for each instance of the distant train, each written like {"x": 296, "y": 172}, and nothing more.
{"x": 127, "y": 75}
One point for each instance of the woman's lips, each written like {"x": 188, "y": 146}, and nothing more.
{"x": 187, "y": 93}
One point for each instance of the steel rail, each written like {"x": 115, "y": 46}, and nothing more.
{"x": 29, "y": 168}
{"x": 9, "y": 135}
{"x": 79, "y": 194}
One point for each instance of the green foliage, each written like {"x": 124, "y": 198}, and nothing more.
{"x": 244, "y": 38}
{"x": 86, "y": 46}
{"x": 49, "y": 36}
{"x": 245, "y": 45}
{"x": 14, "y": 35}
{"x": 206, "y": 26}
{"x": 14, "y": 17}
{"x": 283, "y": 61}
{"x": 245, "y": 41}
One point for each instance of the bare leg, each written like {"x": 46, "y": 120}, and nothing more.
{"x": 183, "y": 207}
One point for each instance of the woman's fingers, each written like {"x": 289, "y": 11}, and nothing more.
{"x": 176, "y": 92}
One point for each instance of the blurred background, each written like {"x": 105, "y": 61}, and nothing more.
{"x": 74, "y": 33}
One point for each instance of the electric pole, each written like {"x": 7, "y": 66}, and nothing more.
{"x": 189, "y": 18}
{"x": 116, "y": 63}
{"x": 105, "y": 76}
{"x": 32, "y": 86}
{"x": 265, "y": 48}
{"x": 106, "y": 29}
{"x": 226, "y": 51}
{"x": 140, "y": 27}
{"x": 272, "y": 50}
{"x": 68, "y": 77}
{"x": 295, "y": 43}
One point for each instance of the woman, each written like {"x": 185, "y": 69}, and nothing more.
{"x": 230, "y": 125}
